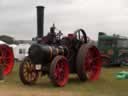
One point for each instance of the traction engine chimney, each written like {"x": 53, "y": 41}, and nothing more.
{"x": 40, "y": 22}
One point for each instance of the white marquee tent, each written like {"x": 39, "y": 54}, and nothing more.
{"x": 2, "y": 42}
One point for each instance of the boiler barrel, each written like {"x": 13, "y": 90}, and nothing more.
{"x": 43, "y": 54}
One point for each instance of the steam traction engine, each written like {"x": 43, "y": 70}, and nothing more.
{"x": 58, "y": 56}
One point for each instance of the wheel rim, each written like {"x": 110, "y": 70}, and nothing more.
{"x": 92, "y": 63}
{"x": 6, "y": 58}
{"x": 29, "y": 71}
{"x": 61, "y": 72}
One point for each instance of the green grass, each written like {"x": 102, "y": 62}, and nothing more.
{"x": 107, "y": 85}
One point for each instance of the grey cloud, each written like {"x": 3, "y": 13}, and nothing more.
{"x": 18, "y": 17}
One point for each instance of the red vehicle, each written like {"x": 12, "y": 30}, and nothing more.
{"x": 6, "y": 58}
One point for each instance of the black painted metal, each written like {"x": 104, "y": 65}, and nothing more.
{"x": 43, "y": 54}
{"x": 40, "y": 22}
{"x": 84, "y": 34}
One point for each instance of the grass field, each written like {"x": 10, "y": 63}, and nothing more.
{"x": 107, "y": 85}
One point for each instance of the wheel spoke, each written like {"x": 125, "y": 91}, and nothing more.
{"x": 6, "y": 58}
{"x": 92, "y": 64}
{"x": 61, "y": 71}
{"x": 28, "y": 73}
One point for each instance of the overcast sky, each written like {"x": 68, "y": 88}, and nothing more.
{"x": 18, "y": 17}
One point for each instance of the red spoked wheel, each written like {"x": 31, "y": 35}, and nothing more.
{"x": 59, "y": 71}
{"x": 88, "y": 62}
{"x": 92, "y": 63}
{"x": 6, "y": 58}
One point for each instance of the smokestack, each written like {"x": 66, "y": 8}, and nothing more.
{"x": 40, "y": 22}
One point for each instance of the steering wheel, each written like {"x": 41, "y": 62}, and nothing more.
{"x": 81, "y": 35}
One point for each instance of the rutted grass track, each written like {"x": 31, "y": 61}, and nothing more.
{"x": 107, "y": 85}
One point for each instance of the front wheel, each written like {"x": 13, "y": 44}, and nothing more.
{"x": 27, "y": 72}
{"x": 59, "y": 71}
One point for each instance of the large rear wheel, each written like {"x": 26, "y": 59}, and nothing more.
{"x": 88, "y": 62}
{"x": 27, "y": 72}
{"x": 59, "y": 71}
{"x": 6, "y": 58}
